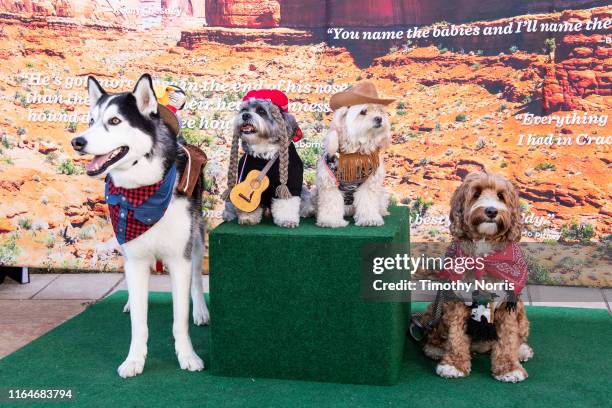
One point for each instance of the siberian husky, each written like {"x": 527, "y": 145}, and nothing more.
{"x": 133, "y": 148}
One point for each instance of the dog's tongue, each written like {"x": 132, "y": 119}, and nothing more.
{"x": 98, "y": 161}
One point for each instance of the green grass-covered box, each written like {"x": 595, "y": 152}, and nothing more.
{"x": 286, "y": 303}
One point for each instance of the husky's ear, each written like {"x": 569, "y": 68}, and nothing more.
{"x": 94, "y": 90}
{"x": 145, "y": 95}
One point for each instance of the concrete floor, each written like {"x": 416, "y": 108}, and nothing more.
{"x": 28, "y": 311}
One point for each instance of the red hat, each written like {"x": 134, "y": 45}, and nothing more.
{"x": 273, "y": 95}
{"x": 276, "y": 97}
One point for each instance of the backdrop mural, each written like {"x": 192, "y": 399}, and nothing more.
{"x": 518, "y": 87}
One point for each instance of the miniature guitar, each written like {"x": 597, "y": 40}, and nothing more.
{"x": 246, "y": 195}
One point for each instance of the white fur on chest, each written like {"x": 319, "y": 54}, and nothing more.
{"x": 167, "y": 237}
{"x": 264, "y": 151}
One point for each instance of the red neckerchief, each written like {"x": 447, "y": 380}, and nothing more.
{"x": 125, "y": 224}
{"x": 136, "y": 196}
{"x": 508, "y": 264}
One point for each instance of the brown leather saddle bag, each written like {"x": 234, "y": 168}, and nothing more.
{"x": 196, "y": 160}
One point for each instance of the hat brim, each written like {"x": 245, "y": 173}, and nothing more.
{"x": 350, "y": 99}
{"x": 169, "y": 119}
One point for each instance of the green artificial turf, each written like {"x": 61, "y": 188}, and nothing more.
{"x": 287, "y": 303}
{"x": 570, "y": 368}
{"x": 398, "y": 214}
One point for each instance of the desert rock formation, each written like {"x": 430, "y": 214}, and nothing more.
{"x": 243, "y": 13}
{"x": 581, "y": 67}
{"x": 367, "y": 13}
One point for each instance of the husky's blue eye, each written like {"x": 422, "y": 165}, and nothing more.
{"x": 114, "y": 121}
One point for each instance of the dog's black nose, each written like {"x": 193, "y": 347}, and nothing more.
{"x": 491, "y": 212}
{"x": 378, "y": 120}
{"x": 78, "y": 143}
{"x": 246, "y": 116}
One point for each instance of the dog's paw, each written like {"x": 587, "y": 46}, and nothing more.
{"x": 131, "y": 367}
{"x": 525, "y": 352}
{"x": 384, "y": 208}
{"x": 190, "y": 361}
{"x": 248, "y": 221}
{"x": 433, "y": 352}
{"x": 287, "y": 224}
{"x": 286, "y": 211}
{"x": 200, "y": 316}
{"x": 369, "y": 222}
{"x": 341, "y": 223}
{"x": 449, "y": 371}
{"x": 126, "y": 308}
{"x": 514, "y": 376}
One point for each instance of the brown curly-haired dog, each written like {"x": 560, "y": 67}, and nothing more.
{"x": 485, "y": 216}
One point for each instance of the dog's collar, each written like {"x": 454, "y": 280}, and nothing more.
{"x": 508, "y": 264}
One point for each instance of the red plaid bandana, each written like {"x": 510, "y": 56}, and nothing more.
{"x": 133, "y": 227}
{"x": 508, "y": 264}
{"x": 134, "y": 211}
{"x": 136, "y": 196}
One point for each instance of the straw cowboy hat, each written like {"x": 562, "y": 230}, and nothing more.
{"x": 170, "y": 99}
{"x": 363, "y": 92}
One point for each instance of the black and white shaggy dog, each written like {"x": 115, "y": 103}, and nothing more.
{"x": 142, "y": 161}
{"x": 265, "y": 130}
